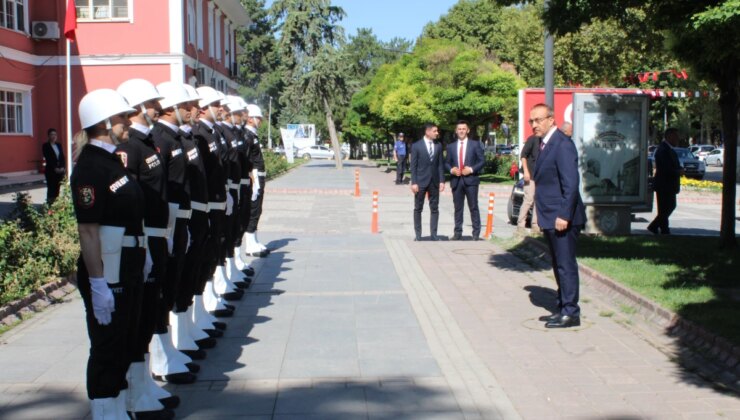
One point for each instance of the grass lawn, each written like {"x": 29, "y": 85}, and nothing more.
{"x": 689, "y": 275}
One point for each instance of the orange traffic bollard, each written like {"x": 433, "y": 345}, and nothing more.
{"x": 489, "y": 224}
{"x": 357, "y": 182}
{"x": 374, "y": 223}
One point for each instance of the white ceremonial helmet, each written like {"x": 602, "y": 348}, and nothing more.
{"x": 100, "y": 105}
{"x": 254, "y": 111}
{"x": 173, "y": 93}
{"x": 208, "y": 95}
{"x": 138, "y": 91}
{"x": 192, "y": 92}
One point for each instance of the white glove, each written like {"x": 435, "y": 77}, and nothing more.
{"x": 229, "y": 204}
{"x": 148, "y": 263}
{"x": 187, "y": 244}
{"x": 103, "y": 302}
{"x": 170, "y": 244}
{"x": 255, "y": 194}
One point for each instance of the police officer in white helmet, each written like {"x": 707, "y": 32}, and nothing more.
{"x": 109, "y": 206}
{"x": 252, "y": 245}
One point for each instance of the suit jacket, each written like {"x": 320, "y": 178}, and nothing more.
{"x": 557, "y": 183}
{"x": 425, "y": 171}
{"x": 667, "y": 170}
{"x": 52, "y": 162}
{"x": 474, "y": 158}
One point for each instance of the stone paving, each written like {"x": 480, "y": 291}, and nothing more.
{"x": 341, "y": 323}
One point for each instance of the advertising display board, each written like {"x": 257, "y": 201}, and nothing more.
{"x": 611, "y": 134}
{"x": 305, "y": 134}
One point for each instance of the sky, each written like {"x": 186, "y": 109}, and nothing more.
{"x": 390, "y": 18}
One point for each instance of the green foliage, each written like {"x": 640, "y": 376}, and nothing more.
{"x": 36, "y": 247}
{"x": 499, "y": 165}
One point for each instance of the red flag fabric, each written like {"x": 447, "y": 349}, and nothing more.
{"x": 70, "y": 21}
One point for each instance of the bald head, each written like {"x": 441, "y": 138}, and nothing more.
{"x": 567, "y": 128}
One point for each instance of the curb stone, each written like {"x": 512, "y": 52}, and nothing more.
{"x": 722, "y": 363}
{"x": 43, "y": 297}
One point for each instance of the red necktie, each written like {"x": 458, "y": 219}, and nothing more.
{"x": 542, "y": 145}
{"x": 460, "y": 158}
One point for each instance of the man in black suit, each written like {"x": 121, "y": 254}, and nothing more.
{"x": 55, "y": 165}
{"x": 667, "y": 181}
{"x": 427, "y": 176}
{"x": 465, "y": 161}
{"x": 560, "y": 211}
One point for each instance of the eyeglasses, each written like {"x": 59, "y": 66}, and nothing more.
{"x": 537, "y": 120}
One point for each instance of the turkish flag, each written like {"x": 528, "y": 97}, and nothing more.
{"x": 70, "y": 21}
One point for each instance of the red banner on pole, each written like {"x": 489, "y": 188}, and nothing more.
{"x": 70, "y": 21}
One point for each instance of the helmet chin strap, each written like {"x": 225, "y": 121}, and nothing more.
{"x": 113, "y": 136}
{"x": 213, "y": 114}
{"x": 177, "y": 115}
{"x": 149, "y": 121}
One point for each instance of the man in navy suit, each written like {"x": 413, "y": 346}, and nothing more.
{"x": 667, "y": 181}
{"x": 560, "y": 211}
{"x": 427, "y": 175}
{"x": 465, "y": 161}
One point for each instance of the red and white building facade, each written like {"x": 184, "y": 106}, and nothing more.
{"x": 189, "y": 41}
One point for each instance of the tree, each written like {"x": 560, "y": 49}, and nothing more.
{"x": 702, "y": 34}
{"x": 309, "y": 45}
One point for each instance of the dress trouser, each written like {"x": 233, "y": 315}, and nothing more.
{"x": 666, "y": 205}
{"x": 213, "y": 247}
{"x": 433, "y": 190}
{"x": 459, "y": 195}
{"x": 110, "y": 344}
{"x": 565, "y": 267}
{"x": 151, "y": 299}
{"x": 198, "y": 226}
{"x": 231, "y": 231}
{"x": 527, "y": 203}
{"x": 400, "y": 168}
{"x": 245, "y": 208}
{"x": 256, "y": 207}
{"x": 53, "y": 183}
{"x": 175, "y": 268}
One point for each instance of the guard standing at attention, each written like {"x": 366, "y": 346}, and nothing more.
{"x": 140, "y": 156}
{"x": 109, "y": 206}
{"x": 253, "y": 247}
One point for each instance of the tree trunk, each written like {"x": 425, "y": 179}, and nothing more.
{"x": 728, "y": 103}
{"x": 333, "y": 134}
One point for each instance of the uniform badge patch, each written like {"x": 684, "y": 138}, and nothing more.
{"x": 86, "y": 196}
{"x": 124, "y": 158}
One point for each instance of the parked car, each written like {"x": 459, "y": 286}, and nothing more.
{"x": 317, "y": 152}
{"x": 693, "y": 167}
{"x": 701, "y": 150}
{"x": 715, "y": 157}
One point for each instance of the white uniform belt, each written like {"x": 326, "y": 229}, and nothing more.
{"x": 184, "y": 214}
{"x": 245, "y": 181}
{"x": 233, "y": 186}
{"x": 261, "y": 173}
{"x": 199, "y": 206}
{"x": 134, "y": 242}
{"x": 155, "y": 232}
{"x": 216, "y": 205}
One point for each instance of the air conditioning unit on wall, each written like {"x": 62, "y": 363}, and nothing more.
{"x": 45, "y": 30}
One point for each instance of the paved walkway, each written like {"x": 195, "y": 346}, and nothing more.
{"x": 341, "y": 323}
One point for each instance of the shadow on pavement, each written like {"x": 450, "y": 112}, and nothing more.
{"x": 543, "y": 297}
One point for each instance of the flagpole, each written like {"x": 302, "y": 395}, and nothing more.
{"x": 69, "y": 116}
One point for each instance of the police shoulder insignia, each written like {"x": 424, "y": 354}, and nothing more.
{"x": 124, "y": 158}
{"x": 86, "y": 196}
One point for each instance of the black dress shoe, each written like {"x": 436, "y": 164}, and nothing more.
{"x": 417, "y": 239}
{"x": 233, "y": 295}
{"x": 434, "y": 238}
{"x": 652, "y": 229}
{"x": 476, "y": 238}
{"x": 548, "y": 318}
{"x": 193, "y": 367}
{"x": 243, "y": 284}
{"x": 215, "y": 333}
{"x": 206, "y": 343}
{"x": 183, "y": 378}
{"x": 564, "y": 321}
{"x": 164, "y": 414}
{"x": 171, "y": 402}
{"x": 232, "y": 308}
{"x": 249, "y": 271}
{"x": 456, "y": 237}
{"x": 222, "y": 313}
{"x": 195, "y": 354}
{"x": 221, "y": 326}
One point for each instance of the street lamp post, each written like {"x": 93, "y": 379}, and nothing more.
{"x": 549, "y": 70}
{"x": 269, "y": 125}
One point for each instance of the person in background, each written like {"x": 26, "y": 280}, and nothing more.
{"x": 464, "y": 162}
{"x": 399, "y": 155}
{"x": 427, "y": 176}
{"x": 667, "y": 182}
{"x": 530, "y": 152}
{"x": 55, "y": 165}
{"x": 567, "y": 129}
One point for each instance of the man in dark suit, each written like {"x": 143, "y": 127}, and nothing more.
{"x": 427, "y": 175}
{"x": 55, "y": 165}
{"x": 465, "y": 161}
{"x": 667, "y": 181}
{"x": 560, "y": 211}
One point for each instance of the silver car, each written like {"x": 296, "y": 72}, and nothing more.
{"x": 715, "y": 157}
{"x": 317, "y": 152}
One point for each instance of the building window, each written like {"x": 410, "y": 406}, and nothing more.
{"x": 211, "y": 32}
{"x": 11, "y": 112}
{"x": 12, "y": 15}
{"x": 199, "y": 22}
{"x": 191, "y": 22}
{"x": 217, "y": 24}
{"x": 102, "y": 9}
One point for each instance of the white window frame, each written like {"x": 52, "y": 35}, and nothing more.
{"x": 199, "y": 23}
{"x": 211, "y": 31}
{"x": 227, "y": 44}
{"x": 191, "y": 22}
{"x": 217, "y": 29}
{"x": 24, "y": 18}
{"x": 26, "y": 104}
{"x": 129, "y": 9}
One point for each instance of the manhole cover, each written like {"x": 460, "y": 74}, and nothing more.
{"x": 535, "y": 324}
{"x": 472, "y": 251}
